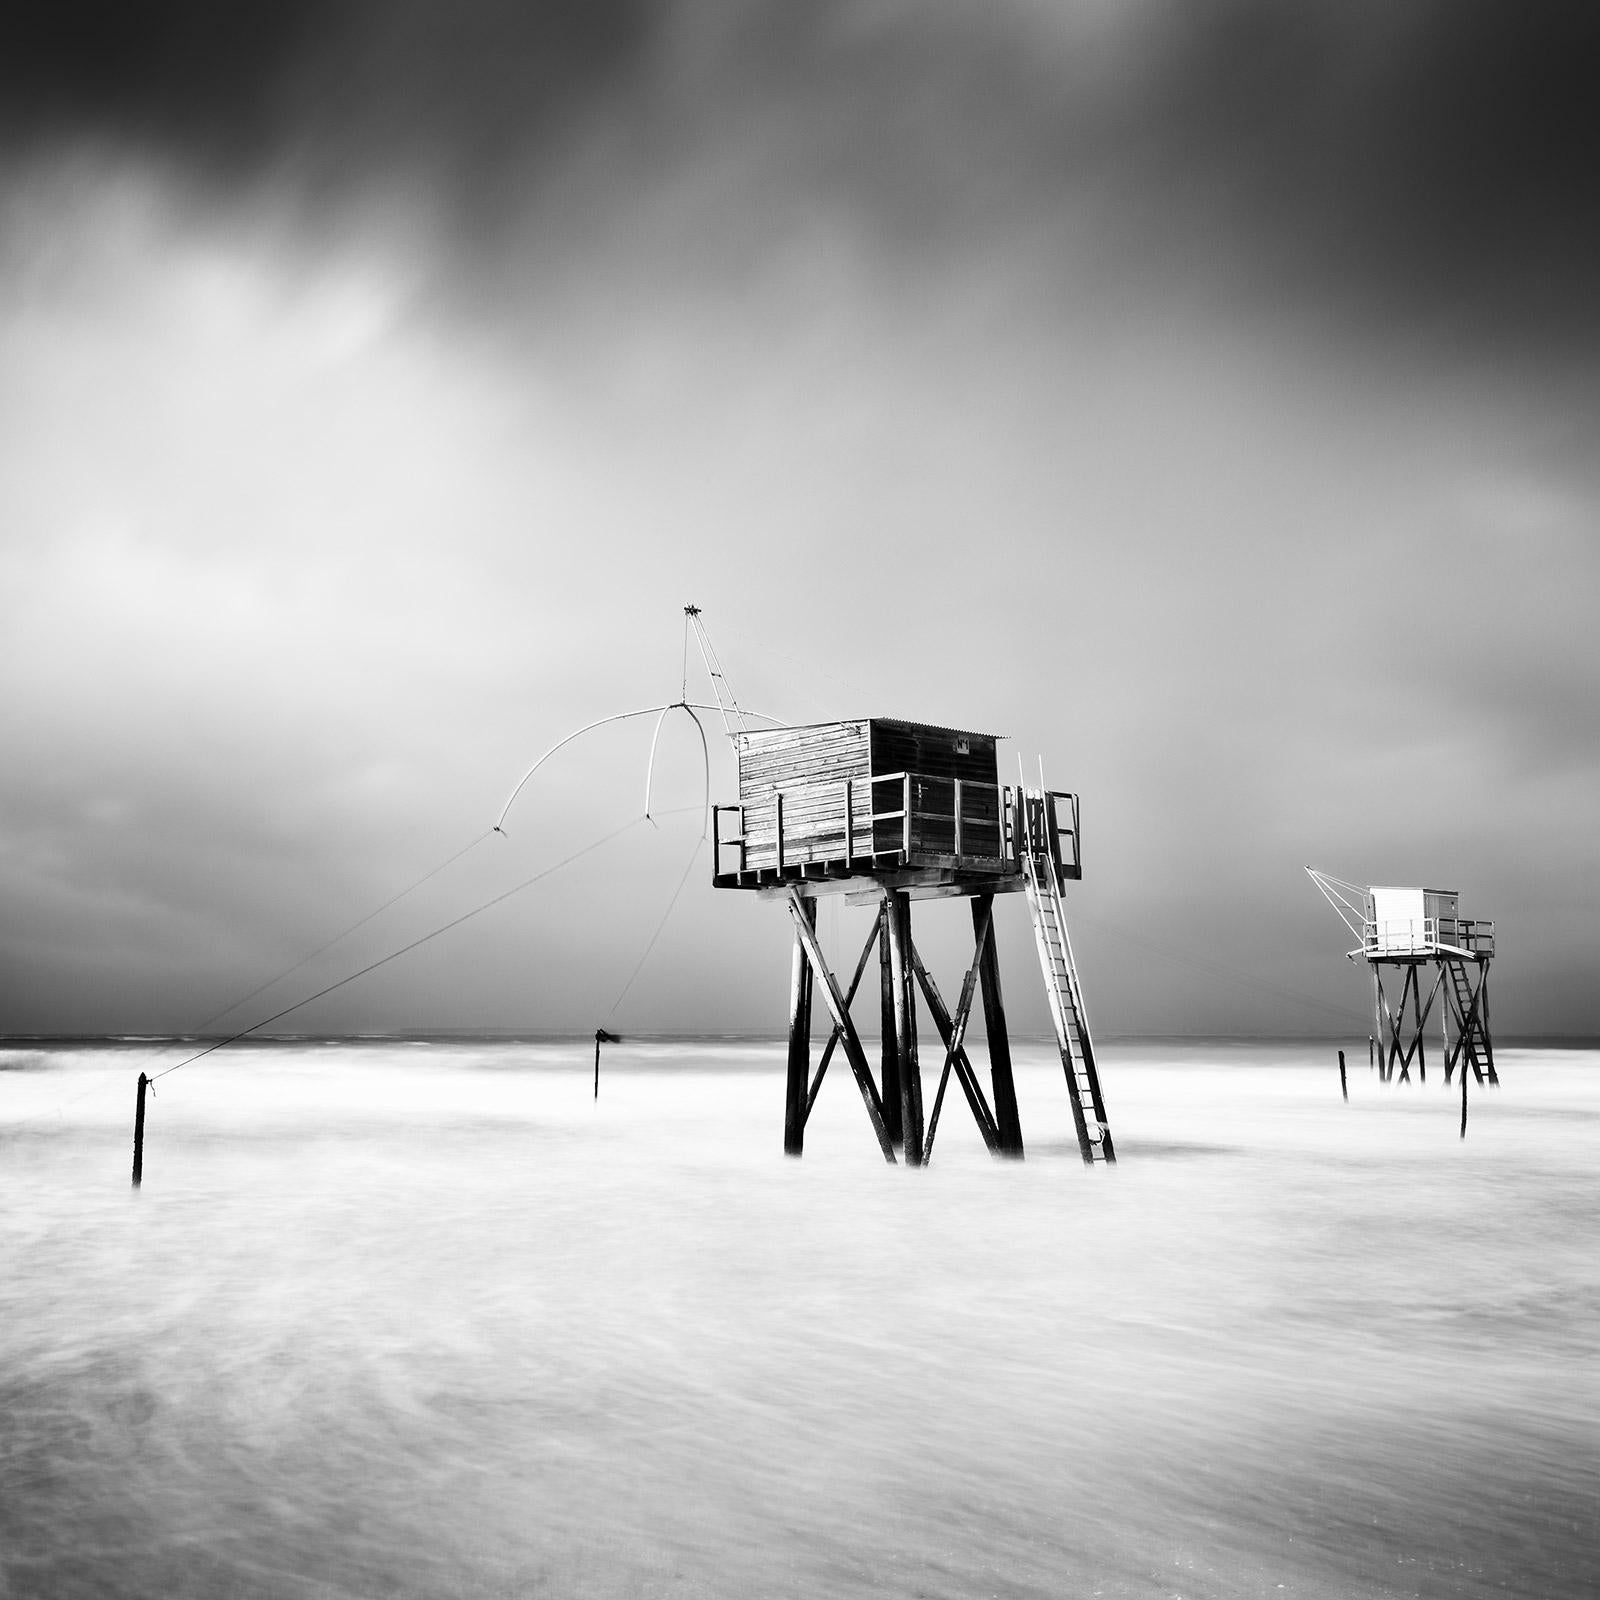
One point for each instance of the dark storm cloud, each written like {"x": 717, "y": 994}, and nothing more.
{"x": 1445, "y": 153}
{"x": 1437, "y": 155}
{"x": 342, "y": 89}
{"x": 377, "y": 374}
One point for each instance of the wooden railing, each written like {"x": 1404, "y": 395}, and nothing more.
{"x": 851, "y": 820}
{"x": 1045, "y": 823}
{"x": 1419, "y": 936}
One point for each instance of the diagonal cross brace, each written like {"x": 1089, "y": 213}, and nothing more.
{"x": 850, "y": 994}
{"x": 1423, "y": 1013}
{"x": 953, "y": 1032}
{"x": 1396, "y": 1019}
{"x": 854, "y": 1054}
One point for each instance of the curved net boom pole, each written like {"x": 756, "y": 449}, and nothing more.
{"x": 691, "y": 706}
{"x": 561, "y": 744}
{"x": 650, "y": 765}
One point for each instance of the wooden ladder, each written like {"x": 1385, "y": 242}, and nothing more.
{"x": 1467, "y": 1049}
{"x": 1061, "y": 985}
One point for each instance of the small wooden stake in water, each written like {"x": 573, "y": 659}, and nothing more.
{"x": 1344, "y": 1088}
{"x": 600, "y": 1037}
{"x": 138, "y": 1132}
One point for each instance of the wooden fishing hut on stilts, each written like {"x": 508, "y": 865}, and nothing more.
{"x": 887, "y": 812}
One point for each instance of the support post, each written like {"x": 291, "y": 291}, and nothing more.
{"x": 1377, "y": 1015}
{"x": 138, "y": 1131}
{"x": 798, "y": 1082}
{"x": 1344, "y": 1088}
{"x": 890, "y": 1074}
{"x": 1416, "y": 1001}
{"x": 1463, "y": 1099}
{"x": 905, "y": 1024}
{"x": 1007, "y": 1120}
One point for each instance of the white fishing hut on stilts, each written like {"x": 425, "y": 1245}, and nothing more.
{"x": 1409, "y": 932}
{"x": 887, "y": 812}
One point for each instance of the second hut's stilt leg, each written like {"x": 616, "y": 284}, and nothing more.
{"x": 798, "y": 1083}
{"x": 905, "y": 1025}
{"x": 1416, "y": 1001}
{"x": 1377, "y": 1012}
{"x": 1344, "y": 1088}
{"x": 1007, "y": 1119}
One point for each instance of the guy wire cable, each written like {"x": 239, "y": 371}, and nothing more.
{"x": 394, "y": 955}
{"x": 338, "y": 938}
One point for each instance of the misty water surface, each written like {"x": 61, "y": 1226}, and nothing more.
{"x": 426, "y": 1320}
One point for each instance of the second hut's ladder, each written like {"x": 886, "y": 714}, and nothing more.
{"x": 1472, "y": 1045}
{"x": 1036, "y": 847}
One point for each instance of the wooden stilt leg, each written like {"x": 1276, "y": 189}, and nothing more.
{"x": 905, "y": 1025}
{"x": 891, "y": 1048}
{"x": 1007, "y": 1119}
{"x": 1416, "y": 999}
{"x": 794, "y": 1100}
{"x": 1380, "y": 1011}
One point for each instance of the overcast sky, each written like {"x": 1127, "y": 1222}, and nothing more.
{"x": 1202, "y": 394}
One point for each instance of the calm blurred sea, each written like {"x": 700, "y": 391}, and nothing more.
{"x": 426, "y": 1320}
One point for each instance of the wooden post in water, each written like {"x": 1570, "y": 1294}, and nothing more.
{"x": 798, "y": 1082}
{"x": 1007, "y": 1119}
{"x": 138, "y": 1132}
{"x": 1344, "y": 1088}
{"x": 601, "y": 1037}
{"x": 1463, "y": 1099}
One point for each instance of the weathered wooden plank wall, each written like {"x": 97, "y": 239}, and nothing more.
{"x": 810, "y": 766}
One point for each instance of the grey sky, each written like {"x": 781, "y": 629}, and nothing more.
{"x": 1202, "y": 394}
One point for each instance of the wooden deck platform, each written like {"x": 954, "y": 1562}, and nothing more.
{"x": 944, "y": 837}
